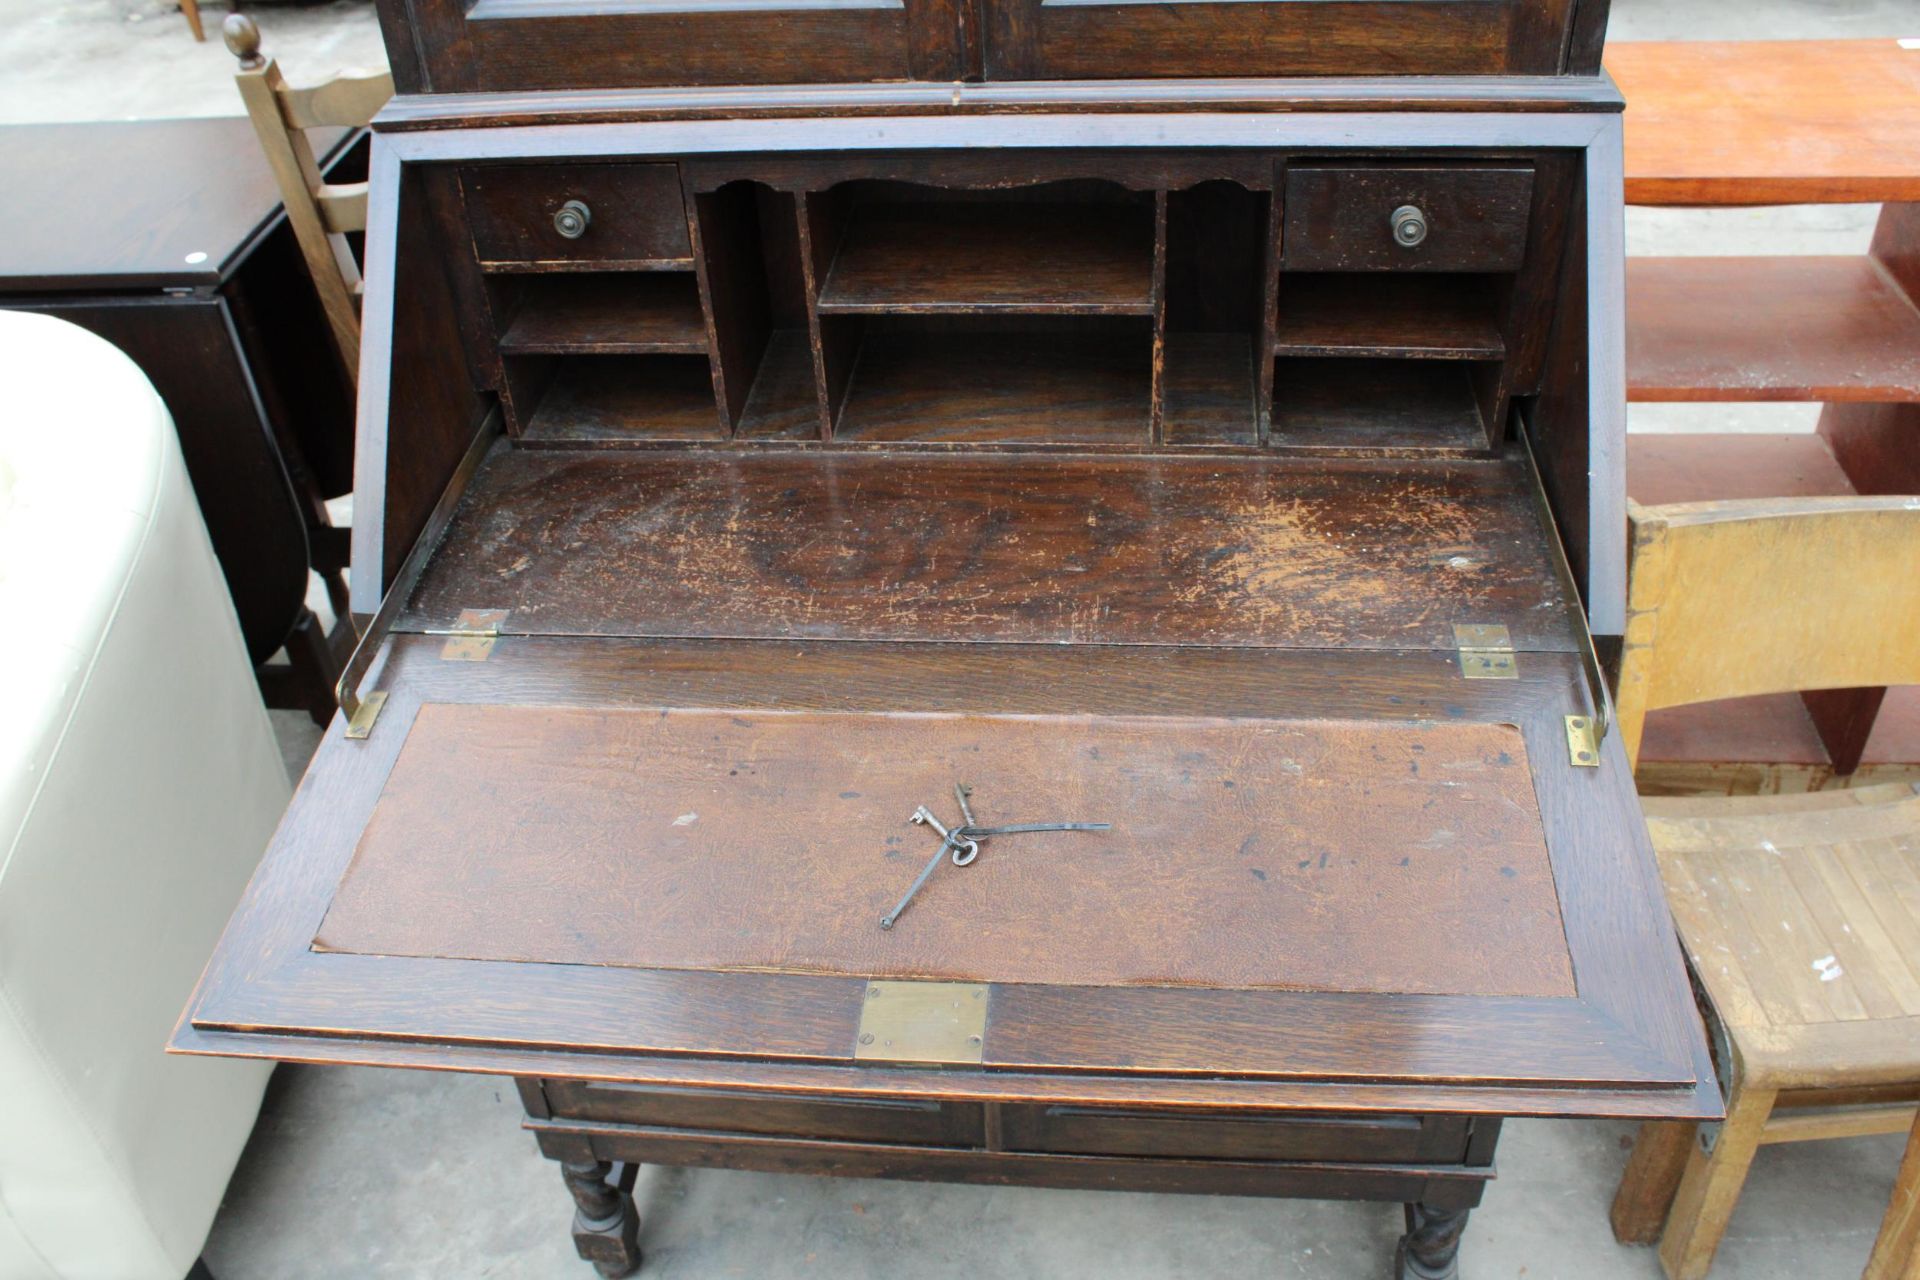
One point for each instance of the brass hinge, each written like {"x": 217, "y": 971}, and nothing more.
{"x": 472, "y": 635}
{"x": 1583, "y": 742}
{"x": 365, "y": 712}
{"x": 1486, "y": 652}
{"x": 937, "y": 1022}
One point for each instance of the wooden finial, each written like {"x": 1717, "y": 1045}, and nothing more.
{"x": 243, "y": 39}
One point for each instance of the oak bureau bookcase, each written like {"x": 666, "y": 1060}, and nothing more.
{"x": 895, "y": 424}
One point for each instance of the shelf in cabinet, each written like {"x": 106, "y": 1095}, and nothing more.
{"x": 624, "y": 400}
{"x": 976, "y": 258}
{"x": 607, "y": 314}
{"x": 1405, "y": 315}
{"x": 581, "y": 266}
{"x": 1427, "y": 405}
{"x": 1055, "y": 388}
{"x": 1815, "y": 328}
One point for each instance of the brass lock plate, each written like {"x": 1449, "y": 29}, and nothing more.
{"x": 933, "y": 1022}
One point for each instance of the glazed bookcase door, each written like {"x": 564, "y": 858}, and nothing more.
{"x": 1098, "y": 39}
{"x": 517, "y": 45}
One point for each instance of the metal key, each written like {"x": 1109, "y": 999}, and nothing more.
{"x": 886, "y": 921}
{"x": 947, "y": 842}
{"x": 960, "y": 793}
{"x": 948, "y": 839}
{"x": 968, "y": 830}
{"x": 963, "y": 842}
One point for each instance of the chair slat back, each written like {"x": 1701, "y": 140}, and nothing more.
{"x": 320, "y": 213}
{"x": 348, "y": 100}
{"x": 1729, "y": 599}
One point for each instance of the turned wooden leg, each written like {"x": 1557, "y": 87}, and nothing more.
{"x": 1652, "y": 1175}
{"x": 1896, "y": 1254}
{"x": 1710, "y": 1187}
{"x": 1431, "y": 1248}
{"x": 606, "y": 1226}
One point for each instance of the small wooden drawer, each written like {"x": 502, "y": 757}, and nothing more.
{"x": 1406, "y": 218}
{"x": 635, "y": 219}
{"x": 1235, "y": 1135}
{"x": 932, "y": 1124}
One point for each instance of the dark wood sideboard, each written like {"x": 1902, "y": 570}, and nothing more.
{"x": 1236, "y": 463}
{"x": 166, "y": 238}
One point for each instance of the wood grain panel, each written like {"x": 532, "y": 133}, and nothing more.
{"x": 1036, "y": 259}
{"x": 515, "y": 45}
{"x": 1386, "y": 314}
{"x": 1770, "y": 121}
{"x": 1819, "y": 590}
{"x": 1629, "y": 1044}
{"x": 1256, "y": 853}
{"x": 1802, "y": 917}
{"x": 1001, "y": 388}
{"x": 1148, "y": 550}
{"x": 1831, "y": 328}
{"x": 1086, "y": 39}
{"x": 1450, "y": 1184}
{"x": 608, "y": 315}
{"x": 1113, "y": 1132}
{"x": 1405, "y": 404}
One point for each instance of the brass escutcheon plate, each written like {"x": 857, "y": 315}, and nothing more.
{"x": 938, "y": 1022}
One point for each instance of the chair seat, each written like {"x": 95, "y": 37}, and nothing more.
{"x": 1801, "y": 918}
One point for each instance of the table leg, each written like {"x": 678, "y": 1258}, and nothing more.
{"x": 1430, "y": 1250}
{"x": 1896, "y": 1254}
{"x": 606, "y": 1226}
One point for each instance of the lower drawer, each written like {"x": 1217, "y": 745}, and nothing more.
{"x": 1235, "y": 1135}
{"x": 935, "y": 1124}
{"x": 1034, "y": 1129}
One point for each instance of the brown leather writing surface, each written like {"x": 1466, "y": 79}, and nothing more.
{"x": 1248, "y": 853}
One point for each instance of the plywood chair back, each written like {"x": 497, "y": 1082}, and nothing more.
{"x": 321, "y": 213}
{"x": 1730, "y": 599}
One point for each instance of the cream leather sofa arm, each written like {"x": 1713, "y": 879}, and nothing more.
{"x": 139, "y": 782}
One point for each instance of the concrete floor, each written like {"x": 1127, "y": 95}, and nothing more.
{"x": 362, "y": 1173}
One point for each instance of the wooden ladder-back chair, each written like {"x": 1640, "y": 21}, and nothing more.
{"x": 1800, "y": 914}
{"x": 320, "y": 212}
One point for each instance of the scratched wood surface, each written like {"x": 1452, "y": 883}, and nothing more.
{"x": 1802, "y": 917}
{"x": 1370, "y": 554}
{"x": 1310, "y": 854}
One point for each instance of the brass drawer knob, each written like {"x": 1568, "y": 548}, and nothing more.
{"x": 1409, "y": 226}
{"x": 572, "y": 219}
